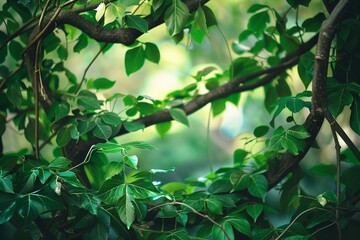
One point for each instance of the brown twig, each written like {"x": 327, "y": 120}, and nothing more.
{"x": 11, "y": 74}
{"x": 338, "y": 173}
{"x": 88, "y": 67}
{"x": 334, "y": 124}
{"x": 194, "y": 211}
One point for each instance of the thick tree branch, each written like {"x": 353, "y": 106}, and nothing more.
{"x": 279, "y": 168}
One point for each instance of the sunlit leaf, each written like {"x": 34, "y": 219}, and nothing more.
{"x": 179, "y": 115}
{"x": 176, "y": 16}
{"x": 131, "y": 161}
{"x": 100, "y": 10}
{"x": 126, "y": 210}
{"x": 111, "y": 191}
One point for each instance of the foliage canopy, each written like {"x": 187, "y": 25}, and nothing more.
{"x": 82, "y": 193}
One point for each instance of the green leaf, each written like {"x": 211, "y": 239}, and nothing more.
{"x": 296, "y": 3}
{"x": 30, "y": 206}
{"x": 214, "y": 205}
{"x": 111, "y": 13}
{"x": 256, "y": 7}
{"x": 239, "y": 180}
{"x": 295, "y": 104}
{"x": 103, "y": 83}
{"x": 59, "y": 163}
{"x": 88, "y": 101}
{"x": 323, "y": 170}
{"x": 200, "y": 20}
{"x": 139, "y": 145}
{"x": 101, "y": 229}
{"x": 218, "y": 106}
{"x": 261, "y": 131}
{"x": 152, "y": 52}
{"x": 239, "y": 156}
{"x": 219, "y": 234}
{"x": 179, "y": 234}
{"x": 7, "y": 211}
{"x": 163, "y": 128}
{"x": 133, "y": 126}
{"x": 254, "y": 210}
{"x": 313, "y": 24}
{"x": 167, "y": 211}
{"x": 109, "y": 147}
{"x": 100, "y": 11}
{"x": 220, "y": 186}
{"x": 130, "y": 100}
{"x": 64, "y": 136}
{"x": 240, "y": 224}
{"x": 131, "y": 161}
{"x": 70, "y": 178}
{"x": 61, "y": 110}
{"x": 137, "y": 23}
{"x": 81, "y": 43}
{"x": 290, "y": 145}
{"x": 111, "y": 190}
{"x": 102, "y": 131}
{"x": 338, "y": 99}
{"x": 176, "y": 16}
{"x": 179, "y": 115}
{"x": 134, "y": 59}
{"x": 15, "y": 49}
{"x": 258, "y": 21}
{"x": 355, "y": 115}
{"x": 258, "y": 186}
{"x": 89, "y": 202}
{"x": 298, "y": 131}
{"x": 126, "y": 210}
{"x": 5, "y": 182}
{"x": 14, "y": 94}
{"x": 62, "y": 52}
{"x": 85, "y": 126}
{"x": 210, "y": 16}
{"x": 111, "y": 118}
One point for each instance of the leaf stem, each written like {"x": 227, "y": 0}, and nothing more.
{"x": 194, "y": 211}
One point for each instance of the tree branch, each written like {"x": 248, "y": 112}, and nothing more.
{"x": 280, "y": 167}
